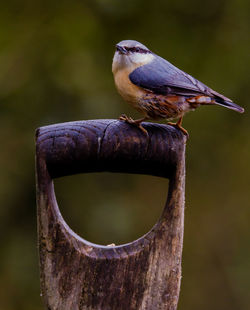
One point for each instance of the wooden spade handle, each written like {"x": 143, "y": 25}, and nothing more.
{"x": 76, "y": 274}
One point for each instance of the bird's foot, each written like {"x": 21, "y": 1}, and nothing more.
{"x": 126, "y": 119}
{"x": 136, "y": 122}
{"x": 183, "y": 130}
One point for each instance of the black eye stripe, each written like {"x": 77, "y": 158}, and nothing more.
{"x": 136, "y": 50}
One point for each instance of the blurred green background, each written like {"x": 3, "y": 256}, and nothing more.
{"x": 55, "y": 66}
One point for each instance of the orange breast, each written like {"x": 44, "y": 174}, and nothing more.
{"x": 129, "y": 92}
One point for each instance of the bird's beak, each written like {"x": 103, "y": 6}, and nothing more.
{"x": 121, "y": 49}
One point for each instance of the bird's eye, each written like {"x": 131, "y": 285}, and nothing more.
{"x": 137, "y": 49}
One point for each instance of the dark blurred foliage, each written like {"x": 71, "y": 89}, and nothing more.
{"x": 55, "y": 66}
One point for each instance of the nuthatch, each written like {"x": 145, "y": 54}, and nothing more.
{"x": 158, "y": 89}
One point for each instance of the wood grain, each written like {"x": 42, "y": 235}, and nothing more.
{"x": 77, "y": 274}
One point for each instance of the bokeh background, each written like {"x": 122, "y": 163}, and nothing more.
{"x": 55, "y": 66}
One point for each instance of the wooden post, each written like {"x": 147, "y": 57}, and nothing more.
{"x": 76, "y": 274}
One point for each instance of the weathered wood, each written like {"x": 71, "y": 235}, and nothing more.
{"x": 76, "y": 274}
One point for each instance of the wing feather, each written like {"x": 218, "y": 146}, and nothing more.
{"x": 161, "y": 77}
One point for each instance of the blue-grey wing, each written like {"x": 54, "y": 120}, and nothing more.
{"x": 160, "y": 76}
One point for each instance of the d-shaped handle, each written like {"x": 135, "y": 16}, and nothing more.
{"x": 77, "y": 274}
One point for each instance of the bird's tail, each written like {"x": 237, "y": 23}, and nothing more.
{"x": 229, "y": 104}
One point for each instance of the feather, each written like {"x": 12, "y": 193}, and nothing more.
{"x": 161, "y": 77}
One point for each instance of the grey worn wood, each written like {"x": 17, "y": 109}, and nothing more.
{"x": 77, "y": 274}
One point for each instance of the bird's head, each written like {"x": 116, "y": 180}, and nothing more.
{"x": 131, "y": 55}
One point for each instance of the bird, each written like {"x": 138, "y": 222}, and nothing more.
{"x": 158, "y": 89}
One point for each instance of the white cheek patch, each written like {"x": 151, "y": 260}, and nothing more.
{"x": 141, "y": 59}
{"x": 132, "y": 60}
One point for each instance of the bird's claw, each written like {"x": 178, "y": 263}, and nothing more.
{"x": 183, "y": 130}
{"x": 131, "y": 121}
{"x": 125, "y": 118}
{"x": 142, "y": 129}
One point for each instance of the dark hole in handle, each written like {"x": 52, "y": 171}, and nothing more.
{"x": 110, "y": 208}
